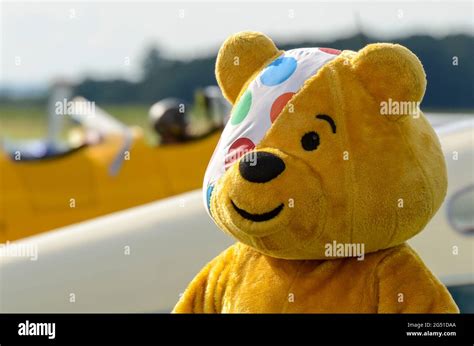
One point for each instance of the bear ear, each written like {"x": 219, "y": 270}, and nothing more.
{"x": 390, "y": 71}
{"x": 240, "y": 56}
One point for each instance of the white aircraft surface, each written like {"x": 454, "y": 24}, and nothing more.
{"x": 141, "y": 259}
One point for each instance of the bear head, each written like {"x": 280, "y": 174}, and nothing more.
{"x": 344, "y": 153}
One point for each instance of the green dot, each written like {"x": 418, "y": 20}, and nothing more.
{"x": 242, "y": 108}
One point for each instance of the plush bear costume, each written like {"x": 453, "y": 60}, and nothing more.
{"x": 321, "y": 185}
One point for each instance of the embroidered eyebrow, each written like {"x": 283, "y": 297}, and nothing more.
{"x": 329, "y": 120}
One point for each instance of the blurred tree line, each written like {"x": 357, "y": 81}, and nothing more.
{"x": 447, "y": 62}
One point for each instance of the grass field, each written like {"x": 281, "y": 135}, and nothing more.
{"x": 18, "y": 121}
{"x": 30, "y": 121}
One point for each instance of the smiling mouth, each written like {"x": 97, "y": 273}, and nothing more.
{"x": 258, "y": 217}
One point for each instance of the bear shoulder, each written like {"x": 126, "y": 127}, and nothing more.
{"x": 406, "y": 285}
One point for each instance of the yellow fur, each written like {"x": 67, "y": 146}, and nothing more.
{"x": 240, "y": 57}
{"x": 245, "y": 281}
{"x": 377, "y": 181}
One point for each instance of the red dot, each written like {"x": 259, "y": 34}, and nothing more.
{"x": 239, "y": 148}
{"x": 330, "y": 51}
{"x": 279, "y": 104}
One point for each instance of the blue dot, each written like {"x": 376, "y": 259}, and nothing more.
{"x": 210, "y": 188}
{"x": 278, "y": 71}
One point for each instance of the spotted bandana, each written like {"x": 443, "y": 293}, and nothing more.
{"x": 259, "y": 106}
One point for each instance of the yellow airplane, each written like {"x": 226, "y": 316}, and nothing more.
{"x": 115, "y": 172}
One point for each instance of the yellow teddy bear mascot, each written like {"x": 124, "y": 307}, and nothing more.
{"x": 321, "y": 185}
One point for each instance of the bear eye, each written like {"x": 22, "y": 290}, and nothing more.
{"x": 310, "y": 141}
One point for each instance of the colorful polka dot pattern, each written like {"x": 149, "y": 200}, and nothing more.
{"x": 279, "y": 104}
{"x": 278, "y": 71}
{"x": 208, "y": 196}
{"x": 241, "y": 109}
{"x": 259, "y": 107}
{"x": 238, "y": 149}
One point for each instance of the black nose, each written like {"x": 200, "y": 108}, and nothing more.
{"x": 260, "y": 166}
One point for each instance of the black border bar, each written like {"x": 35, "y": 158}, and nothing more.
{"x": 136, "y": 329}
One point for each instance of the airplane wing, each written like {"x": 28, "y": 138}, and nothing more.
{"x": 141, "y": 259}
